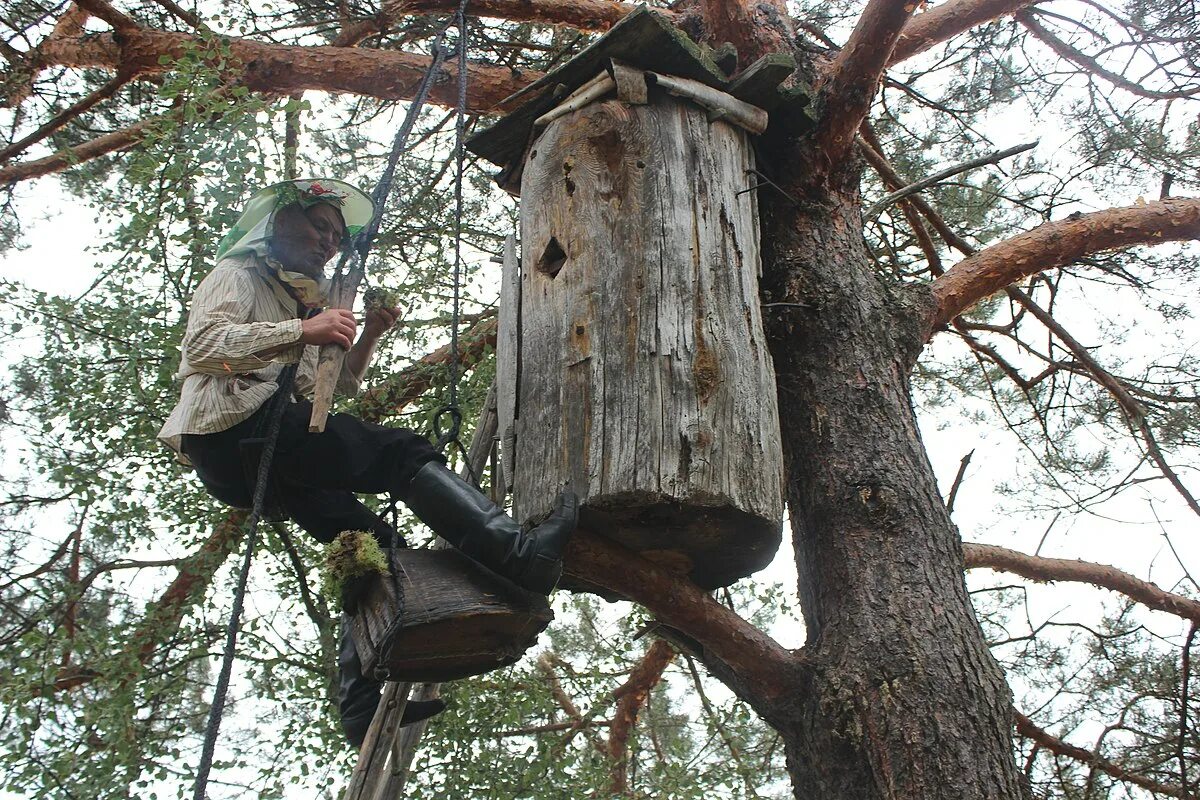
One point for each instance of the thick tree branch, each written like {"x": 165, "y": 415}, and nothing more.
{"x": 846, "y": 89}
{"x": 1057, "y": 244}
{"x": 1027, "y": 728}
{"x": 1039, "y": 568}
{"x": 753, "y": 656}
{"x": 755, "y": 27}
{"x": 587, "y": 15}
{"x": 136, "y": 51}
{"x": 630, "y": 697}
{"x": 406, "y": 386}
{"x": 947, "y": 20}
{"x": 284, "y": 69}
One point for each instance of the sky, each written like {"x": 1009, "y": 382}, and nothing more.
{"x": 1124, "y": 532}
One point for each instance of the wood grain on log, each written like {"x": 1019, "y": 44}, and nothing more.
{"x": 508, "y": 344}
{"x": 645, "y": 381}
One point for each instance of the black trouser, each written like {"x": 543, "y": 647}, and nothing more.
{"x": 315, "y": 475}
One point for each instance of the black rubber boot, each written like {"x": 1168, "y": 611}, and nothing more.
{"x": 358, "y": 695}
{"x": 470, "y": 521}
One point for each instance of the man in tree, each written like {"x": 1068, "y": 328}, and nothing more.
{"x": 259, "y": 309}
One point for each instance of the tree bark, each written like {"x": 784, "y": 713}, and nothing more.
{"x": 949, "y": 19}
{"x": 642, "y": 366}
{"x": 1048, "y": 570}
{"x": 285, "y": 69}
{"x": 1056, "y": 244}
{"x": 899, "y": 695}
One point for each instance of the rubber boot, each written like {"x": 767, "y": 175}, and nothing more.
{"x": 463, "y": 516}
{"x": 358, "y": 695}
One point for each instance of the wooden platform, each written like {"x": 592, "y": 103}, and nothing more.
{"x": 458, "y": 620}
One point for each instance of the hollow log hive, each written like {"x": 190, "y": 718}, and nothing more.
{"x": 632, "y": 365}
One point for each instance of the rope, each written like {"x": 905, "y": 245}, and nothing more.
{"x": 278, "y": 402}
{"x": 360, "y": 248}
{"x": 451, "y": 409}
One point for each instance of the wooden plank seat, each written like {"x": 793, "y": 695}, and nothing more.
{"x": 457, "y": 620}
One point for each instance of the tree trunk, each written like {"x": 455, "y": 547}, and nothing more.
{"x": 901, "y": 697}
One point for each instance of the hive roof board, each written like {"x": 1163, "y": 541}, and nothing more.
{"x": 644, "y": 40}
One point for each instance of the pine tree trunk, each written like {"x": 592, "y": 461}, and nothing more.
{"x": 903, "y": 698}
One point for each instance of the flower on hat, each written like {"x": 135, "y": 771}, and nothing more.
{"x": 308, "y": 196}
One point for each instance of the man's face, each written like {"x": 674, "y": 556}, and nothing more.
{"x": 305, "y": 239}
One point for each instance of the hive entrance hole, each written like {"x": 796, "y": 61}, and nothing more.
{"x": 553, "y": 258}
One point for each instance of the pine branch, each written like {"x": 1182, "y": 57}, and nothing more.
{"x": 944, "y": 174}
{"x": 1056, "y": 244}
{"x": 630, "y": 697}
{"x": 1042, "y": 569}
{"x": 102, "y": 9}
{"x": 1130, "y": 406}
{"x": 1027, "y": 728}
{"x": 181, "y": 13}
{"x": 1135, "y": 414}
{"x": 711, "y": 712}
{"x": 947, "y": 20}
{"x": 1090, "y": 65}
{"x": 848, "y": 86}
{"x": 62, "y": 118}
{"x": 100, "y": 146}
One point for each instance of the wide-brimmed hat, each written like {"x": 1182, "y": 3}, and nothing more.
{"x": 253, "y": 227}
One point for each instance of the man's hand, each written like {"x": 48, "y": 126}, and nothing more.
{"x": 379, "y": 321}
{"x": 331, "y": 326}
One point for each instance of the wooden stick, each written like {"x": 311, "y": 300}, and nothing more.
{"x": 371, "y": 769}
{"x": 941, "y": 175}
{"x": 591, "y": 91}
{"x": 329, "y": 362}
{"x": 720, "y": 104}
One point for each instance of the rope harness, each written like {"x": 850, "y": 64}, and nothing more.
{"x": 359, "y": 248}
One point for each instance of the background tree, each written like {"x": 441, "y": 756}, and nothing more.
{"x": 1016, "y": 292}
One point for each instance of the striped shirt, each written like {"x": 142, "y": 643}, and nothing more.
{"x": 242, "y": 329}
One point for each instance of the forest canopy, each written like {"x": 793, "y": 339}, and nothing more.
{"x": 1033, "y": 308}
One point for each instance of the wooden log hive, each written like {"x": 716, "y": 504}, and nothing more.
{"x": 457, "y": 619}
{"x": 640, "y": 375}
